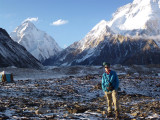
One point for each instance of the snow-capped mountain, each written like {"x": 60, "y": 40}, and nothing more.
{"x": 101, "y": 44}
{"x": 95, "y": 36}
{"x": 132, "y": 36}
{"x": 139, "y": 18}
{"x": 37, "y": 42}
{"x": 14, "y": 54}
{"x": 89, "y": 43}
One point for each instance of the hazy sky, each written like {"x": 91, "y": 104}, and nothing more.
{"x": 67, "y": 21}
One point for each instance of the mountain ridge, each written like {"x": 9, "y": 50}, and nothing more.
{"x": 116, "y": 49}
{"x": 107, "y": 41}
{"x": 13, "y": 54}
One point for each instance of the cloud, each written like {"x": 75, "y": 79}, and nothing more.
{"x": 59, "y": 22}
{"x": 31, "y": 19}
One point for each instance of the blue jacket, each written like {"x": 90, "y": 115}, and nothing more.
{"x": 113, "y": 78}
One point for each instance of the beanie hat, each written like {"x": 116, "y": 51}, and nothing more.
{"x": 105, "y": 64}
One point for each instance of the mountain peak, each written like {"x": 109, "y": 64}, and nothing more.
{"x": 95, "y": 36}
{"x": 25, "y": 26}
{"x": 37, "y": 42}
{"x": 141, "y": 17}
{"x": 28, "y": 23}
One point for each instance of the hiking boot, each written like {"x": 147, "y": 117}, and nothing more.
{"x": 117, "y": 115}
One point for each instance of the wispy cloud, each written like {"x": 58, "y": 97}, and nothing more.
{"x": 33, "y": 19}
{"x": 59, "y": 22}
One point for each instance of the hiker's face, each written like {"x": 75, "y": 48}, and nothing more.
{"x": 107, "y": 68}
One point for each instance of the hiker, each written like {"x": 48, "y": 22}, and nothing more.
{"x": 110, "y": 84}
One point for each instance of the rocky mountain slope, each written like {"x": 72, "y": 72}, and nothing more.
{"x": 37, "y": 42}
{"x": 13, "y": 54}
{"x": 102, "y": 44}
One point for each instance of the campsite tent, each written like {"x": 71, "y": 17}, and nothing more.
{"x": 6, "y": 77}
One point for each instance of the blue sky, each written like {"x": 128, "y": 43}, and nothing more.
{"x": 67, "y": 21}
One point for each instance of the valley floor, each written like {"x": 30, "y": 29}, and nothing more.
{"x": 75, "y": 93}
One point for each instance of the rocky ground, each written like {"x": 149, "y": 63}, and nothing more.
{"x": 77, "y": 94}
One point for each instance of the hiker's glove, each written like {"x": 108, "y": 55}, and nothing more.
{"x": 110, "y": 88}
